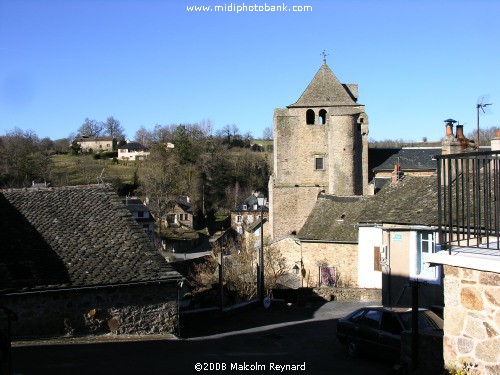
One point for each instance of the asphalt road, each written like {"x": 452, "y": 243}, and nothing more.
{"x": 253, "y": 341}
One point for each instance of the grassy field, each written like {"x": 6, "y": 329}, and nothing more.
{"x": 84, "y": 169}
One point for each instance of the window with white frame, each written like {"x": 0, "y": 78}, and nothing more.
{"x": 239, "y": 219}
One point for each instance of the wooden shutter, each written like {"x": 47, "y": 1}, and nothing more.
{"x": 376, "y": 259}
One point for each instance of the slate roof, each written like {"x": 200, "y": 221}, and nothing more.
{"x": 384, "y": 159}
{"x": 250, "y": 202}
{"x": 413, "y": 201}
{"x": 325, "y": 90}
{"x": 185, "y": 205}
{"x": 132, "y": 146}
{"x": 73, "y": 237}
{"x": 94, "y": 139}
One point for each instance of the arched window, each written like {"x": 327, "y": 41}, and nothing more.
{"x": 322, "y": 117}
{"x": 310, "y": 117}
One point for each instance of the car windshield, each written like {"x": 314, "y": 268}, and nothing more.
{"x": 427, "y": 320}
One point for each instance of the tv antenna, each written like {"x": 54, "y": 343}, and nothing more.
{"x": 481, "y": 104}
{"x": 100, "y": 179}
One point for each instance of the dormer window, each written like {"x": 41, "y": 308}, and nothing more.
{"x": 244, "y": 207}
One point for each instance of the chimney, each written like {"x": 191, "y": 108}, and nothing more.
{"x": 188, "y": 199}
{"x": 460, "y": 132}
{"x": 396, "y": 174}
{"x": 450, "y": 144}
{"x": 449, "y": 127}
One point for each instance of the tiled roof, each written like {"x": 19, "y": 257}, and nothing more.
{"x": 413, "y": 201}
{"x": 407, "y": 158}
{"x": 73, "y": 237}
{"x": 325, "y": 90}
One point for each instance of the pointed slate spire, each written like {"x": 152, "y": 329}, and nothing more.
{"x": 325, "y": 90}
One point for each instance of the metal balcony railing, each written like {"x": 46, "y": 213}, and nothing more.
{"x": 469, "y": 201}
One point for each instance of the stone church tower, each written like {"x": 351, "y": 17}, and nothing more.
{"x": 320, "y": 144}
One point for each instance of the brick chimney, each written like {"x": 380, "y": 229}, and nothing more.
{"x": 451, "y": 144}
{"x": 449, "y": 127}
{"x": 396, "y": 174}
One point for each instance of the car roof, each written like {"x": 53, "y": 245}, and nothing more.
{"x": 396, "y": 309}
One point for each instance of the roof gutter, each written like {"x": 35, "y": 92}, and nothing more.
{"x": 95, "y": 287}
{"x": 327, "y": 241}
{"x": 399, "y": 226}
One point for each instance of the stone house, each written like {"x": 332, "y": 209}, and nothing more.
{"x": 249, "y": 217}
{"x": 133, "y": 151}
{"x": 141, "y": 213}
{"x": 73, "y": 261}
{"x": 96, "y": 144}
{"x": 181, "y": 214}
{"x": 372, "y": 241}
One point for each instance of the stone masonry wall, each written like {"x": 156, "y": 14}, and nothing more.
{"x": 472, "y": 319}
{"x": 290, "y": 208}
{"x": 295, "y": 146}
{"x": 344, "y": 257}
{"x": 148, "y": 309}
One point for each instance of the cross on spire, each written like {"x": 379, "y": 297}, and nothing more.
{"x": 324, "y": 54}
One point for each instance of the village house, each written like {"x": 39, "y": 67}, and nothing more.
{"x": 73, "y": 261}
{"x": 181, "y": 213}
{"x": 133, "y": 151}
{"x": 373, "y": 242}
{"x": 248, "y": 218}
{"x": 141, "y": 213}
{"x": 96, "y": 144}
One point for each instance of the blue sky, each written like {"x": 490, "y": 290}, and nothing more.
{"x": 148, "y": 62}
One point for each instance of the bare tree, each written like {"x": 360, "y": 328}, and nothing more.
{"x": 113, "y": 128}
{"x": 268, "y": 133}
{"x": 486, "y": 134}
{"x": 160, "y": 181}
{"x": 206, "y": 127}
{"x": 143, "y": 136}
{"x": 91, "y": 128}
{"x": 240, "y": 267}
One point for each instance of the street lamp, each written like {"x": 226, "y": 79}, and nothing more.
{"x": 180, "y": 284}
{"x": 261, "y": 200}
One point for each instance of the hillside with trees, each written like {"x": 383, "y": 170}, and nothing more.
{"x": 216, "y": 169}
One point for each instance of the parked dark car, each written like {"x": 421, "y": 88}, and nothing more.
{"x": 378, "y": 329}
